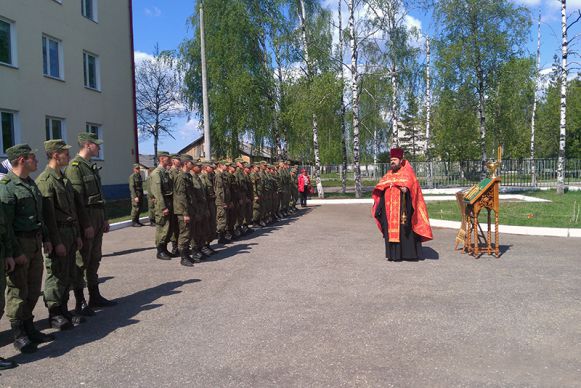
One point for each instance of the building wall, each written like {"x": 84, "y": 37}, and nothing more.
{"x": 34, "y": 96}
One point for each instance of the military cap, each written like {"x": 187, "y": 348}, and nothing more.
{"x": 263, "y": 162}
{"x": 19, "y": 150}
{"x": 186, "y": 158}
{"x": 175, "y": 156}
{"x": 89, "y": 136}
{"x": 136, "y": 165}
{"x": 162, "y": 153}
{"x": 199, "y": 163}
{"x": 55, "y": 145}
{"x": 239, "y": 160}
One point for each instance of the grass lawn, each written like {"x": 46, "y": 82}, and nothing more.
{"x": 563, "y": 212}
{"x": 120, "y": 210}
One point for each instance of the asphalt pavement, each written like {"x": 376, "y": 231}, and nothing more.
{"x": 311, "y": 301}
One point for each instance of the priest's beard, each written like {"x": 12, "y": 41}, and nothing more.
{"x": 395, "y": 167}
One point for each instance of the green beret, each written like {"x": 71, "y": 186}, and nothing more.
{"x": 136, "y": 165}
{"x": 55, "y": 145}
{"x": 89, "y": 137}
{"x": 19, "y": 150}
{"x": 162, "y": 153}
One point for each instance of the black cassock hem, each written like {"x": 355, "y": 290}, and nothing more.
{"x": 410, "y": 245}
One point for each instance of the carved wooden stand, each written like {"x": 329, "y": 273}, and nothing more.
{"x": 482, "y": 196}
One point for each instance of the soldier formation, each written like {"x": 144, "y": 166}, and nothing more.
{"x": 63, "y": 214}
{"x": 194, "y": 202}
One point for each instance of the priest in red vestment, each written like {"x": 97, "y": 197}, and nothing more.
{"x": 400, "y": 211}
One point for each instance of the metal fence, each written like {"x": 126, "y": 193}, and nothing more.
{"x": 513, "y": 172}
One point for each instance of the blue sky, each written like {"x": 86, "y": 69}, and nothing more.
{"x": 163, "y": 22}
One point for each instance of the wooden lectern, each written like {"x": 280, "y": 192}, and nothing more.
{"x": 483, "y": 195}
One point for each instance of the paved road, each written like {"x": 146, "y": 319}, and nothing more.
{"x": 313, "y": 303}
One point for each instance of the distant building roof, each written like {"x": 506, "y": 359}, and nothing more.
{"x": 147, "y": 160}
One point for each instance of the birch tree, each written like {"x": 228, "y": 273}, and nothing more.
{"x": 428, "y": 107}
{"x": 309, "y": 70}
{"x": 354, "y": 97}
{"x": 342, "y": 96}
{"x": 533, "y": 116}
{"x": 476, "y": 37}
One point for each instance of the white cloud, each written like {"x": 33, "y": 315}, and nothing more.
{"x": 412, "y": 22}
{"x": 153, "y": 12}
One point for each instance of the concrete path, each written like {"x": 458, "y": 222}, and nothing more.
{"x": 312, "y": 302}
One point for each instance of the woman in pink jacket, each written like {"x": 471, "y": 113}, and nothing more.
{"x": 304, "y": 186}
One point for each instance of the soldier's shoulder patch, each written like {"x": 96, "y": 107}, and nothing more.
{"x": 74, "y": 163}
{"x": 5, "y": 180}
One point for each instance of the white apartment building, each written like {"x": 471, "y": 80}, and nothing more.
{"x": 66, "y": 66}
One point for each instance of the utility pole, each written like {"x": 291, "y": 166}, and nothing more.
{"x": 207, "y": 148}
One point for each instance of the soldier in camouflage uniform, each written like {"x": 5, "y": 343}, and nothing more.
{"x": 6, "y": 266}
{"x": 294, "y": 189}
{"x": 22, "y": 204}
{"x": 84, "y": 176}
{"x": 242, "y": 189}
{"x": 232, "y": 231}
{"x": 161, "y": 191}
{"x": 136, "y": 189}
{"x": 223, "y": 201}
{"x": 176, "y": 166}
{"x": 207, "y": 177}
{"x": 184, "y": 212}
{"x": 65, "y": 217}
{"x": 258, "y": 200}
{"x": 201, "y": 223}
{"x": 150, "y": 203}
{"x": 248, "y": 207}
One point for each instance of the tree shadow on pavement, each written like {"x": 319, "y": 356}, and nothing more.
{"x": 104, "y": 323}
{"x": 128, "y": 251}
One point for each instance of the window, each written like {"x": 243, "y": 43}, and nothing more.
{"x": 91, "y": 71}
{"x": 55, "y": 128}
{"x": 52, "y": 64}
{"x": 97, "y": 130}
{"x": 7, "y": 42}
{"x": 89, "y": 9}
{"x": 9, "y": 130}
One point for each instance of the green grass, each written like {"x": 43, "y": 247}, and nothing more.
{"x": 556, "y": 214}
{"x": 119, "y": 210}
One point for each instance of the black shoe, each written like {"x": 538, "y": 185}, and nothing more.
{"x": 7, "y": 364}
{"x": 136, "y": 224}
{"x": 197, "y": 257}
{"x": 262, "y": 223}
{"x": 228, "y": 237}
{"x": 186, "y": 263}
{"x": 206, "y": 251}
{"x": 211, "y": 249}
{"x": 57, "y": 320}
{"x": 34, "y": 334}
{"x": 97, "y": 300}
{"x": 162, "y": 253}
{"x": 81, "y": 306}
{"x": 175, "y": 252}
{"x": 73, "y": 318}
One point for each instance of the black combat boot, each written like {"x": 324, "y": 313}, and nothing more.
{"x": 196, "y": 255}
{"x": 34, "y": 334}
{"x": 162, "y": 253}
{"x": 209, "y": 247}
{"x": 21, "y": 341}
{"x": 57, "y": 320}
{"x": 73, "y": 318}
{"x": 186, "y": 260}
{"x": 206, "y": 251}
{"x": 81, "y": 306}
{"x": 175, "y": 252}
{"x": 97, "y": 300}
{"x": 222, "y": 239}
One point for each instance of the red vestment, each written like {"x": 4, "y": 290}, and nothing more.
{"x": 389, "y": 185}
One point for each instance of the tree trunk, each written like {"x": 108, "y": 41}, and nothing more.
{"x": 342, "y": 114}
{"x": 355, "y": 100}
{"x": 155, "y": 140}
{"x": 533, "y": 167}
{"x": 394, "y": 107}
{"x": 302, "y": 16}
{"x": 430, "y": 177}
{"x": 563, "y": 113}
